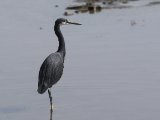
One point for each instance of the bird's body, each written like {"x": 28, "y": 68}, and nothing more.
{"x": 51, "y": 69}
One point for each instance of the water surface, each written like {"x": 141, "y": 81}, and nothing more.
{"x": 111, "y": 67}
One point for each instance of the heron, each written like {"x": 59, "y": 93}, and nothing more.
{"x": 51, "y": 69}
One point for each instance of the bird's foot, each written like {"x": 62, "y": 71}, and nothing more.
{"x": 52, "y": 107}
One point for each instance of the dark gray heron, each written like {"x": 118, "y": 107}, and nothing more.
{"x": 52, "y": 68}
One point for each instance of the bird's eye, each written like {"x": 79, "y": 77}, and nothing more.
{"x": 64, "y": 22}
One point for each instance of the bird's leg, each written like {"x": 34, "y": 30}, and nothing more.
{"x": 50, "y": 97}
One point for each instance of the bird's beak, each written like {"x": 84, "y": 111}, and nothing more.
{"x": 73, "y": 23}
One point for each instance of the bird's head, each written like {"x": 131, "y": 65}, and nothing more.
{"x": 62, "y": 21}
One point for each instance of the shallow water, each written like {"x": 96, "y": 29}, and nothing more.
{"x": 111, "y": 67}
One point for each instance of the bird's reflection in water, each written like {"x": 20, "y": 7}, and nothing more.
{"x": 51, "y": 113}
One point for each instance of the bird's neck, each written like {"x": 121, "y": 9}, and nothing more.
{"x": 61, "y": 47}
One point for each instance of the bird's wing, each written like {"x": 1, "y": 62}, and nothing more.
{"x": 56, "y": 68}
{"x": 50, "y": 71}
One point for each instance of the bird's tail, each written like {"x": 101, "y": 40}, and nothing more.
{"x": 41, "y": 89}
